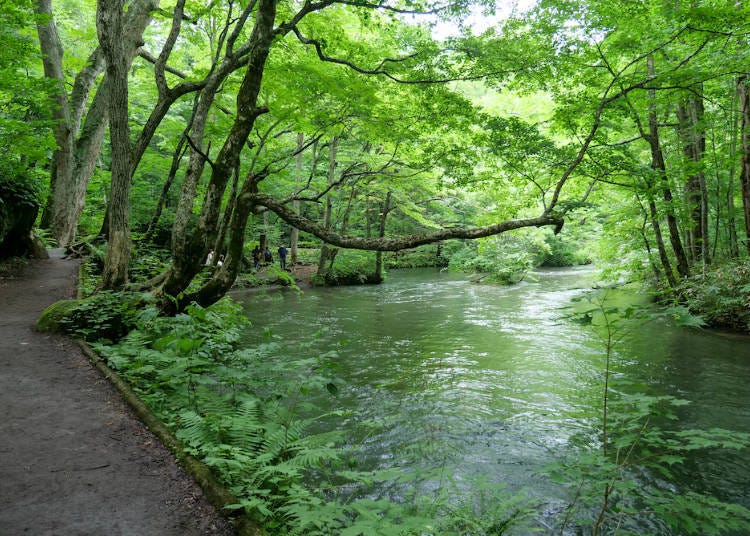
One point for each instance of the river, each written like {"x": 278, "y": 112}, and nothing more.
{"x": 464, "y": 380}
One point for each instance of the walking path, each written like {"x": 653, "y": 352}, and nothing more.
{"x": 74, "y": 460}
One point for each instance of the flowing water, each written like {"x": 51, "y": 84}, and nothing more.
{"x": 480, "y": 381}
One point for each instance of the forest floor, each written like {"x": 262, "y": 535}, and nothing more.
{"x": 301, "y": 272}
{"x": 74, "y": 459}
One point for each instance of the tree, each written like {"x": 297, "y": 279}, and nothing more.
{"x": 109, "y": 23}
{"x": 384, "y": 83}
{"x": 190, "y": 245}
{"x": 81, "y": 119}
{"x": 24, "y": 130}
{"x": 672, "y": 63}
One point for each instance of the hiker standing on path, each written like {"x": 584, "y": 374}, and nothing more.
{"x": 257, "y": 256}
{"x": 282, "y": 257}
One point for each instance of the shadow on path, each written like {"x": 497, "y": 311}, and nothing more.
{"x": 73, "y": 458}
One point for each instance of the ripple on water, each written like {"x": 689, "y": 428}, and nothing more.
{"x": 494, "y": 381}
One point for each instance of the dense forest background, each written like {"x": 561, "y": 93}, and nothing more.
{"x": 220, "y": 126}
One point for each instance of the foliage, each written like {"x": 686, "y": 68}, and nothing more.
{"x": 88, "y": 277}
{"x": 25, "y": 135}
{"x": 563, "y": 252}
{"x": 105, "y": 315}
{"x": 276, "y": 276}
{"x": 421, "y": 257}
{"x": 576, "y": 244}
{"x": 248, "y": 417}
{"x": 634, "y": 437}
{"x": 721, "y": 295}
{"x": 147, "y": 261}
{"x": 351, "y": 267}
{"x": 270, "y": 275}
{"x": 505, "y": 259}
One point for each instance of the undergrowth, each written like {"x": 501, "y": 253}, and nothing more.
{"x": 249, "y": 418}
{"x": 721, "y": 296}
{"x": 621, "y": 477}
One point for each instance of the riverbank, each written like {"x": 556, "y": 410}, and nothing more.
{"x": 720, "y": 296}
{"x": 74, "y": 459}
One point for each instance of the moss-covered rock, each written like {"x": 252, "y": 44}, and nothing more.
{"x": 51, "y": 319}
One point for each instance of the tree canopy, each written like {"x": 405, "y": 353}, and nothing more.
{"x": 192, "y": 122}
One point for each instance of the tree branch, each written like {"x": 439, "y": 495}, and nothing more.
{"x": 203, "y": 155}
{"x": 380, "y": 69}
{"x": 146, "y": 55}
{"x": 392, "y": 9}
{"x": 396, "y": 244}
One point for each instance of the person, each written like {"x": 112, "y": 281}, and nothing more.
{"x": 256, "y": 257}
{"x": 268, "y": 256}
{"x": 210, "y": 258}
{"x": 220, "y": 262}
{"x": 282, "y": 257}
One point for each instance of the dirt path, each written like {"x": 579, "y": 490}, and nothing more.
{"x": 73, "y": 458}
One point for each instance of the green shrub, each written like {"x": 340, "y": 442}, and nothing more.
{"x": 106, "y": 315}
{"x": 422, "y": 257}
{"x": 564, "y": 252}
{"x": 503, "y": 260}
{"x": 147, "y": 261}
{"x": 721, "y": 296}
{"x": 351, "y": 267}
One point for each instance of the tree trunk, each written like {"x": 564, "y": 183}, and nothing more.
{"x": 228, "y": 210}
{"x": 659, "y": 166}
{"x": 325, "y": 251}
{"x": 744, "y": 96}
{"x": 734, "y": 250}
{"x": 379, "y": 272}
{"x": 74, "y": 160}
{"x": 344, "y": 227}
{"x": 109, "y": 23}
{"x": 690, "y": 117}
{"x": 190, "y": 249}
{"x": 661, "y": 248}
{"x": 61, "y": 189}
{"x": 224, "y": 276}
{"x": 294, "y": 235}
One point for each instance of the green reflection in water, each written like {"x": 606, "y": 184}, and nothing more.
{"x": 481, "y": 380}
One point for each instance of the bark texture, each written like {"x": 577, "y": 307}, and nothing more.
{"x": 109, "y": 24}
{"x": 660, "y": 168}
{"x": 744, "y": 95}
{"x": 690, "y": 117}
{"x": 80, "y": 127}
{"x": 189, "y": 248}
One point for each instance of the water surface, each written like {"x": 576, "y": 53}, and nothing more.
{"x": 473, "y": 380}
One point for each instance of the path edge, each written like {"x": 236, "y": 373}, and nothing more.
{"x": 215, "y": 492}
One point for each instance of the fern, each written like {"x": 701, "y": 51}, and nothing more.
{"x": 239, "y": 413}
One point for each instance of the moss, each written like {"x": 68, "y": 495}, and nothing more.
{"x": 51, "y": 318}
